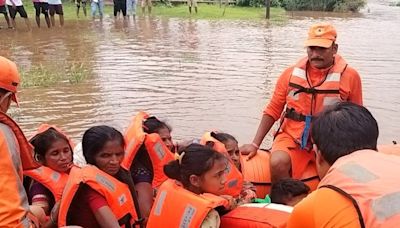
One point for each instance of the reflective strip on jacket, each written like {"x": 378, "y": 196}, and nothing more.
{"x": 158, "y": 152}
{"x": 177, "y": 207}
{"x": 16, "y": 155}
{"x": 310, "y": 100}
{"x": 370, "y": 179}
{"x": 116, "y": 193}
{"x": 51, "y": 179}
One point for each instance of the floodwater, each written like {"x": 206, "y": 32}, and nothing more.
{"x": 196, "y": 74}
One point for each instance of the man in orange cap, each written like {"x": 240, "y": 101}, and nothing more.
{"x": 302, "y": 91}
{"x": 15, "y": 154}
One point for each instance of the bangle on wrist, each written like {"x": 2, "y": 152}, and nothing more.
{"x": 255, "y": 145}
{"x": 52, "y": 219}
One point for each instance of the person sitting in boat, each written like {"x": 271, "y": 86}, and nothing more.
{"x": 101, "y": 194}
{"x": 318, "y": 80}
{"x": 359, "y": 186}
{"x": 192, "y": 197}
{"x": 148, "y": 150}
{"x": 248, "y": 194}
{"x": 288, "y": 191}
{"x": 52, "y": 149}
{"x": 231, "y": 146}
{"x": 154, "y": 125}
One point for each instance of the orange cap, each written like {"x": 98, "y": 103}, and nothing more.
{"x": 9, "y": 77}
{"x": 321, "y": 35}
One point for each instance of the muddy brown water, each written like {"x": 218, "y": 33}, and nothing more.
{"x": 196, "y": 74}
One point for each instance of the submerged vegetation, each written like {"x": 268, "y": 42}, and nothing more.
{"x": 214, "y": 11}
{"x": 44, "y": 76}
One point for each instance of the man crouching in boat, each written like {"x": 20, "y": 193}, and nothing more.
{"x": 359, "y": 186}
{"x": 318, "y": 80}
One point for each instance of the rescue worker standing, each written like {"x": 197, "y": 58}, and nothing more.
{"x": 15, "y": 154}
{"x": 318, "y": 80}
{"x": 359, "y": 186}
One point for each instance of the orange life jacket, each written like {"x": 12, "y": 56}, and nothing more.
{"x": 304, "y": 101}
{"x": 257, "y": 171}
{"x": 177, "y": 207}
{"x": 257, "y": 216}
{"x": 370, "y": 180}
{"x": 234, "y": 178}
{"x": 14, "y": 205}
{"x": 44, "y": 127}
{"x": 51, "y": 179}
{"x": 116, "y": 193}
{"x": 159, "y": 153}
{"x": 26, "y": 149}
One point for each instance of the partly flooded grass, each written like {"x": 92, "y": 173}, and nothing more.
{"x": 206, "y": 11}
{"x": 44, "y": 76}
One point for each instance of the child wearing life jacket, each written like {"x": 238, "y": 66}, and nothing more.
{"x": 142, "y": 169}
{"x": 198, "y": 180}
{"x": 53, "y": 150}
{"x": 103, "y": 147}
{"x": 231, "y": 145}
{"x": 154, "y": 125}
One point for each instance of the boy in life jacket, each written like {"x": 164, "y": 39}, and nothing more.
{"x": 108, "y": 197}
{"x": 193, "y": 197}
{"x": 359, "y": 186}
{"x": 15, "y": 153}
{"x": 54, "y": 151}
{"x": 302, "y": 91}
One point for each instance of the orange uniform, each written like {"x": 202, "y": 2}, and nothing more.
{"x": 348, "y": 87}
{"x": 324, "y": 208}
{"x": 16, "y": 156}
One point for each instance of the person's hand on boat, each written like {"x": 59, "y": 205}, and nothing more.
{"x": 247, "y": 196}
{"x": 232, "y": 202}
{"x": 248, "y": 149}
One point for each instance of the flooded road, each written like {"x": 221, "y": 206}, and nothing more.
{"x": 196, "y": 74}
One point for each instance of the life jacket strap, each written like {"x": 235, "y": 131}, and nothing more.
{"x": 306, "y": 132}
{"x": 290, "y": 113}
{"x": 312, "y": 90}
{"x": 126, "y": 220}
{"x": 353, "y": 201}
